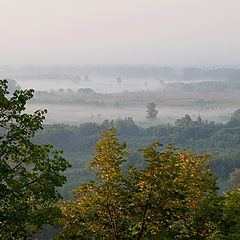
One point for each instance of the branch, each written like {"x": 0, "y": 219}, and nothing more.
{"x": 144, "y": 215}
{"x": 143, "y": 225}
{"x": 113, "y": 222}
{"x": 34, "y": 181}
{"x": 17, "y": 165}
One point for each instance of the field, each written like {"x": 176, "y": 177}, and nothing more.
{"x": 73, "y": 108}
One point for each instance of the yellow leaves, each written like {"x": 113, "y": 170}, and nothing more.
{"x": 182, "y": 156}
{"x": 166, "y": 193}
{"x": 148, "y": 174}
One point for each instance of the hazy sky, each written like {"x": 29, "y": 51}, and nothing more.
{"x": 159, "y": 32}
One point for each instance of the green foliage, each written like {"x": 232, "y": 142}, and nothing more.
{"x": 236, "y": 116}
{"x": 151, "y": 110}
{"x": 222, "y": 141}
{"x": 29, "y": 173}
{"x": 125, "y": 126}
{"x": 185, "y": 121}
{"x": 12, "y": 86}
{"x": 229, "y": 228}
{"x": 173, "y": 197}
{"x": 234, "y": 178}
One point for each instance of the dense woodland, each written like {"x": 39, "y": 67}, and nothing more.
{"x": 220, "y": 140}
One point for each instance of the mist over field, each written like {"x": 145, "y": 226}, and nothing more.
{"x": 78, "y": 94}
{"x": 98, "y": 84}
{"x": 77, "y": 114}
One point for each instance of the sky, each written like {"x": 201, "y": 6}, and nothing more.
{"x": 119, "y": 32}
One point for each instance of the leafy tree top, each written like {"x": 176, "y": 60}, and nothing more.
{"x": 161, "y": 201}
{"x": 29, "y": 173}
{"x": 151, "y": 110}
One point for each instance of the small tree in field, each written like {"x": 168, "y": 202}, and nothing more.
{"x": 174, "y": 197}
{"x": 29, "y": 173}
{"x": 151, "y": 111}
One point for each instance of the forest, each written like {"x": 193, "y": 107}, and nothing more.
{"x": 219, "y": 140}
{"x": 130, "y": 182}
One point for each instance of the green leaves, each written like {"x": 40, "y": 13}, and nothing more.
{"x": 151, "y": 110}
{"x": 230, "y": 221}
{"x": 110, "y": 155}
{"x": 174, "y": 197}
{"x": 29, "y": 173}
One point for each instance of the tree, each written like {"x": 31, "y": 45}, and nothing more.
{"x": 234, "y": 178}
{"x": 29, "y": 173}
{"x": 199, "y": 121}
{"x": 185, "y": 121}
{"x": 151, "y": 110}
{"x": 230, "y": 221}
{"x": 235, "y": 119}
{"x": 12, "y": 86}
{"x": 236, "y": 115}
{"x": 119, "y": 80}
{"x": 174, "y": 197}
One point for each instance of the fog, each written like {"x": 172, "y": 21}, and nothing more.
{"x": 160, "y": 32}
{"x": 77, "y": 114}
{"x": 78, "y": 94}
{"x": 98, "y": 84}
{"x": 113, "y": 47}
{"x": 106, "y": 79}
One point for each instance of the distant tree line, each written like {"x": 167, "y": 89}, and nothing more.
{"x": 201, "y": 136}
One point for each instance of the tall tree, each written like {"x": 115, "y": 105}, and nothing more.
{"x": 174, "y": 197}
{"x": 29, "y": 173}
{"x": 151, "y": 110}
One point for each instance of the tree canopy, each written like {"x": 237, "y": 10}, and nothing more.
{"x": 151, "y": 111}
{"x": 173, "y": 197}
{"x": 29, "y": 173}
